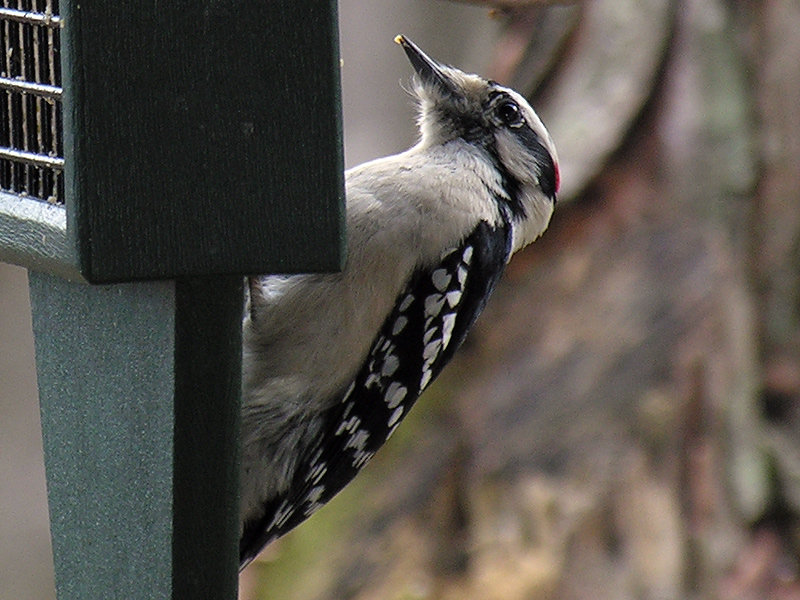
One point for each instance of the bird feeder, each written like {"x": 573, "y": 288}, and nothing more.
{"x": 151, "y": 155}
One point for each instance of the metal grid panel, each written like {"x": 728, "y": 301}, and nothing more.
{"x": 31, "y": 147}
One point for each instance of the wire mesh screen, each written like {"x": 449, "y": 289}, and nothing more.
{"x": 31, "y": 152}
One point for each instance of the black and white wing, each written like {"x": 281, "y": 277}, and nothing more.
{"x": 429, "y": 322}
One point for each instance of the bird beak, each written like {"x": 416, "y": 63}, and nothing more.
{"x": 428, "y": 70}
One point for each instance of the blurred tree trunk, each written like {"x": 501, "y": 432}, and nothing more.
{"x": 625, "y": 421}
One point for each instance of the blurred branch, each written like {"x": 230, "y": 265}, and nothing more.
{"x": 532, "y": 45}
{"x": 600, "y": 88}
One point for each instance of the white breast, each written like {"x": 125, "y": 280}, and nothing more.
{"x": 312, "y": 331}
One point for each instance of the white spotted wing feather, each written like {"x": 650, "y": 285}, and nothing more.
{"x": 430, "y": 320}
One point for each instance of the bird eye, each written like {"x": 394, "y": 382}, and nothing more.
{"x": 509, "y": 113}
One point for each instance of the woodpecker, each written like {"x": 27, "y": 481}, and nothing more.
{"x": 333, "y": 362}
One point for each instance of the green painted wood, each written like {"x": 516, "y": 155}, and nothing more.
{"x": 104, "y": 366}
{"x": 139, "y": 393}
{"x": 202, "y": 137}
{"x": 208, "y": 353}
{"x": 33, "y": 234}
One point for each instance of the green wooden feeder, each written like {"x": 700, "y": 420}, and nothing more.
{"x": 151, "y": 154}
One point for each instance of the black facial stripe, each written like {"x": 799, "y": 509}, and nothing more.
{"x": 510, "y": 184}
{"x": 532, "y": 143}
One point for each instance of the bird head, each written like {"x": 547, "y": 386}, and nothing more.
{"x": 455, "y": 105}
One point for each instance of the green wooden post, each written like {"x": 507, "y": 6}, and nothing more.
{"x": 202, "y": 142}
{"x": 139, "y": 387}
